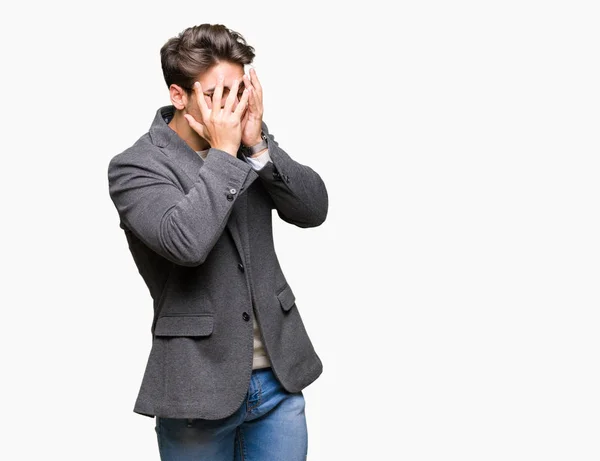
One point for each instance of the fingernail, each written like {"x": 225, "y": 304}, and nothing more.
{"x": 196, "y": 84}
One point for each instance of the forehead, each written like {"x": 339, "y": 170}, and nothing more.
{"x": 229, "y": 70}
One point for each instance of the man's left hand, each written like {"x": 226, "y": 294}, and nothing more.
{"x": 252, "y": 120}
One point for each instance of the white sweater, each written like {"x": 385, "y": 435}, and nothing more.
{"x": 260, "y": 358}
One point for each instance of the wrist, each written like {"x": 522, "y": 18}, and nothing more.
{"x": 253, "y": 142}
{"x": 256, "y": 146}
{"x": 258, "y": 154}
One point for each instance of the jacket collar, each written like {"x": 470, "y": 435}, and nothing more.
{"x": 160, "y": 133}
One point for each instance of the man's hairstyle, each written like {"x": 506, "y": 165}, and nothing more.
{"x": 197, "y": 49}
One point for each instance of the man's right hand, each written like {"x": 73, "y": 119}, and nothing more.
{"x": 221, "y": 127}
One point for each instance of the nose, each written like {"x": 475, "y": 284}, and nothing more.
{"x": 224, "y": 97}
{"x": 236, "y": 100}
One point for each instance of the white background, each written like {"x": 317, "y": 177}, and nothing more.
{"x": 452, "y": 293}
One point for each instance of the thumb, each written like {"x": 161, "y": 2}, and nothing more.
{"x": 197, "y": 127}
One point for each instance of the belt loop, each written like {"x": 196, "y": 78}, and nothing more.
{"x": 190, "y": 421}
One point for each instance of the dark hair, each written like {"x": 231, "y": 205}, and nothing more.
{"x": 197, "y": 49}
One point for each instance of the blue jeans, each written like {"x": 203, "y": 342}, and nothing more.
{"x": 269, "y": 425}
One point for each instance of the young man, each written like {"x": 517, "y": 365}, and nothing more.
{"x": 230, "y": 354}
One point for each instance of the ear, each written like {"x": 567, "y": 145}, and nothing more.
{"x": 179, "y": 98}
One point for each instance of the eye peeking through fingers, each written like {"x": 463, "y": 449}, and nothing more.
{"x": 225, "y": 93}
{"x": 209, "y": 96}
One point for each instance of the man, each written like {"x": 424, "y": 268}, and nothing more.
{"x": 230, "y": 354}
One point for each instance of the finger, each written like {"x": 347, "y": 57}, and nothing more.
{"x": 247, "y": 82}
{"x": 232, "y": 96}
{"x": 251, "y": 100}
{"x": 255, "y": 100}
{"x": 237, "y": 98}
{"x": 204, "y": 110}
{"x": 245, "y": 118}
{"x": 217, "y": 96}
{"x": 250, "y": 89}
{"x": 197, "y": 127}
{"x": 255, "y": 82}
{"x": 242, "y": 105}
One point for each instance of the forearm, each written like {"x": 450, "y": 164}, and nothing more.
{"x": 298, "y": 192}
{"x": 182, "y": 227}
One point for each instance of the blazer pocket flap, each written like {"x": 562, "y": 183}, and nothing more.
{"x": 286, "y": 298}
{"x": 184, "y": 325}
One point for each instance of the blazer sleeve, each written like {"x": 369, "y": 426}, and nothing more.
{"x": 181, "y": 227}
{"x": 298, "y": 192}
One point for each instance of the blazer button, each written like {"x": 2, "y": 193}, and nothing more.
{"x": 241, "y": 267}
{"x": 229, "y": 197}
{"x": 245, "y": 316}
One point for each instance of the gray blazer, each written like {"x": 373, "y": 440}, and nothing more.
{"x": 200, "y": 233}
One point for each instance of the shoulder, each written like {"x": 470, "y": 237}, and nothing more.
{"x": 142, "y": 154}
